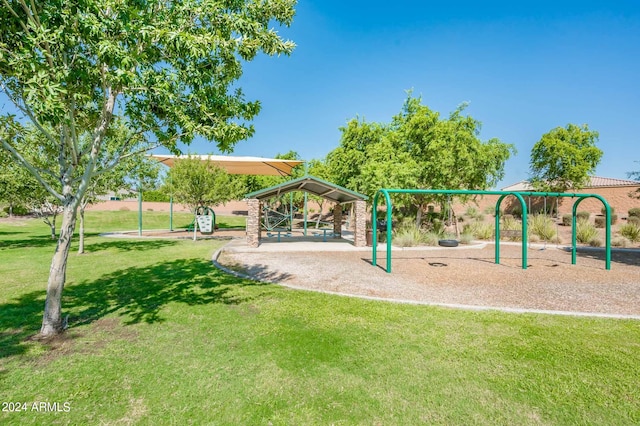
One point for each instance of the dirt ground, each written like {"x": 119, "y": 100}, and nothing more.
{"x": 466, "y": 276}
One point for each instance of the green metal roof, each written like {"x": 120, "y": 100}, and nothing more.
{"x": 312, "y": 185}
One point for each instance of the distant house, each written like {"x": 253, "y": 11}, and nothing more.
{"x": 615, "y": 191}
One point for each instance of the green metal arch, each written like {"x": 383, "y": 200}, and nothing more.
{"x": 607, "y": 228}
{"x": 503, "y": 194}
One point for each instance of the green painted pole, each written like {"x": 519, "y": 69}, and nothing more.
{"x": 171, "y": 213}
{"x": 291, "y": 211}
{"x": 139, "y": 212}
{"x": 389, "y": 208}
{"x": 374, "y": 235}
{"x": 305, "y": 214}
{"x": 518, "y": 194}
{"x": 607, "y": 209}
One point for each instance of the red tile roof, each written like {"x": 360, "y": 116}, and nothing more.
{"x": 596, "y": 182}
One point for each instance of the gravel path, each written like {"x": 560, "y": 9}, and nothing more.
{"x": 459, "y": 277}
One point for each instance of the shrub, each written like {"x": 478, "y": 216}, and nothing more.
{"x": 407, "y": 237}
{"x": 482, "y": 231}
{"x": 566, "y": 219}
{"x": 583, "y": 215}
{"x": 466, "y": 238}
{"x": 619, "y": 242}
{"x": 595, "y": 242}
{"x": 603, "y": 211}
{"x": 542, "y": 226}
{"x": 511, "y": 223}
{"x": 489, "y": 210}
{"x": 631, "y": 231}
{"x": 431, "y": 238}
{"x": 600, "y": 221}
{"x": 585, "y": 231}
{"x": 124, "y": 209}
{"x": 634, "y": 212}
{"x": 17, "y": 210}
{"x": 3, "y": 214}
{"x": 472, "y": 212}
{"x": 633, "y": 219}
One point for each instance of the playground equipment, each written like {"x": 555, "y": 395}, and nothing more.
{"x": 503, "y": 194}
{"x": 205, "y": 220}
{"x": 278, "y": 218}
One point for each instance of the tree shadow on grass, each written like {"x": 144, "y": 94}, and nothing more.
{"x": 31, "y": 242}
{"x": 129, "y": 245}
{"x": 10, "y": 233}
{"x": 136, "y": 294}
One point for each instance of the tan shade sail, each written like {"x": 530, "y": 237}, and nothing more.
{"x": 239, "y": 165}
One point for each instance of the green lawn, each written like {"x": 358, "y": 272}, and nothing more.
{"x": 159, "y": 336}
{"x": 104, "y": 221}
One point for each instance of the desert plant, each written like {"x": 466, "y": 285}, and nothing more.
{"x": 633, "y": 219}
{"x": 510, "y": 223}
{"x": 482, "y": 231}
{"x": 407, "y": 236}
{"x": 600, "y": 221}
{"x": 431, "y": 238}
{"x": 542, "y": 226}
{"x": 634, "y": 212}
{"x": 566, "y": 219}
{"x": 595, "y": 242}
{"x": 631, "y": 231}
{"x": 585, "y": 231}
{"x": 583, "y": 215}
{"x": 619, "y": 242}
{"x": 489, "y": 210}
{"x": 471, "y": 212}
{"x": 466, "y": 238}
{"x": 603, "y": 210}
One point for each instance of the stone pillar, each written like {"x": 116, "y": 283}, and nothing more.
{"x": 253, "y": 222}
{"x": 360, "y": 221}
{"x": 337, "y": 221}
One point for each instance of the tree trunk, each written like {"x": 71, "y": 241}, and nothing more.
{"x": 52, "y": 319}
{"x": 81, "y": 232}
{"x": 419, "y": 217}
{"x": 319, "y": 215}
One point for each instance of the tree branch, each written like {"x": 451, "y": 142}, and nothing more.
{"x": 27, "y": 111}
{"x": 16, "y": 155}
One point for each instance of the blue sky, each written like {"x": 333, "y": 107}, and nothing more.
{"x": 525, "y": 67}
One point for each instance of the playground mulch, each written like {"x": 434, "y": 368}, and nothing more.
{"x": 467, "y": 276}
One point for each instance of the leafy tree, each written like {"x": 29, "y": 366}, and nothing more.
{"x": 16, "y": 184}
{"x": 564, "y": 158}
{"x": 170, "y": 69}
{"x": 318, "y": 168}
{"x": 418, "y": 149}
{"x": 196, "y": 183}
{"x": 345, "y": 163}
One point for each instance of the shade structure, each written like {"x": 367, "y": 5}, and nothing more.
{"x": 239, "y": 165}
{"x": 313, "y": 185}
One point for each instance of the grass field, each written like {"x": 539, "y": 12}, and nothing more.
{"x": 159, "y": 336}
